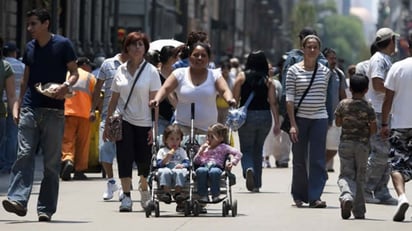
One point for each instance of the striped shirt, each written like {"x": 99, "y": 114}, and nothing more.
{"x": 313, "y": 105}
{"x": 106, "y": 73}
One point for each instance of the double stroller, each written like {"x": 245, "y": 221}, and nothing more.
{"x": 191, "y": 203}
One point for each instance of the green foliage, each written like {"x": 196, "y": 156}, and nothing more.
{"x": 304, "y": 14}
{"x": 342, "y": 33}
{"x": 345, "y": 35}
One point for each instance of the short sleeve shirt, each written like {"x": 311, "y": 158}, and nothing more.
{"x": 5, "y": 72}
{"x": 137, "y": 111}
{"x": 48, "y": 64}
{"x": 356, "y": 115}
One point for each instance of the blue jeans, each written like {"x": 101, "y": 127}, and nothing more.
{"x": 40, "y": 127}
{"x": 9, "y": 149}
{"x": 309, "y": 174}
{"x": 252, "y": 135}
{"x": 204, "y": 176}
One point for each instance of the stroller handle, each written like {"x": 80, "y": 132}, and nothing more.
{"x": 153, "y": 114}
{"x": 192, "y": 111}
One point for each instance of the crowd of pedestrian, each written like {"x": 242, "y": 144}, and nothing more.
{"x": 359, "y": 115}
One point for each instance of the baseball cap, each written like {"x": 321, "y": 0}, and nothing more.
{"x": 385, "y": 34}
{"x": 84, "y": 60}
{"x": 9, "y": 47}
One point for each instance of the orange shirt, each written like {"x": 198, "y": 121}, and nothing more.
{"x": 80, "y": 104}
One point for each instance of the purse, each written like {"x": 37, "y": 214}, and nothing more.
{"x": 285, "y": 126}
{"x": 236, "y": 117}
{"x": 114, "y": 125}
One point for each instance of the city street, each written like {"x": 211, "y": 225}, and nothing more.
{"x": 81, "y": 208}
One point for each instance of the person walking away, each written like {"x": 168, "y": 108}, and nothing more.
{"x": 396, "y": 113}
{"x": 358, "y": 121}
{"x": 279, "y": 146}
{"x": 377, "y": 176}
{"x": 8, "y": 148}
{"x": 41, "y": 121}
{"x": 77, "y": 125}
{"x": 107, "y": 150}
{"x": 260, "y": 111}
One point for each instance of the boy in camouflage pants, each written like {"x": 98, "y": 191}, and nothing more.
{"x": 358, "y": 121}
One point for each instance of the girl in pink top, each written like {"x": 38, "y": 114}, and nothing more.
{"x": 211, "y": 159}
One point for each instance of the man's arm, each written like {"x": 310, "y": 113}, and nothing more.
{"x": 377, "y": 84}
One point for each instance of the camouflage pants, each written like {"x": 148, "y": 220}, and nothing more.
{"x": 353, "y": 161}
{"x": 401, "y": 152}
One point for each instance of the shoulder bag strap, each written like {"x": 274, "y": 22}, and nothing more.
{"x": 307, "y": 89}
{"x": 249, "y": 99}
{"x": 134, "y": 83}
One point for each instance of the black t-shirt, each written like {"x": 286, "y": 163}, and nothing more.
{"x": 165, "y": 108}
{"x": 255, "y": 82}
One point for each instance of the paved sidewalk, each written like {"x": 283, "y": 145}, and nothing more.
{"x": 81, "y": 208}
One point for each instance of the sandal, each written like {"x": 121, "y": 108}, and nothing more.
{"x": 317, "y": 204}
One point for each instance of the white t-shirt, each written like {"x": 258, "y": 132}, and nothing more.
{"x": 204, "y": 97}
{"x": 379, "y": 65}
{"x": 137, "y": 112}
{"x": 399, "y": 80}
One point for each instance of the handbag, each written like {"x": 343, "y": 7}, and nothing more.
{"x": 285, "y": 126}
{"x": 115, "y": 121}
{"x": 236, "y": 117}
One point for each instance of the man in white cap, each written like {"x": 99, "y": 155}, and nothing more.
{"x": 378, "y": 171}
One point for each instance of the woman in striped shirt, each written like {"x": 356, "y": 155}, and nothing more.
{"x": 309, "y": 124}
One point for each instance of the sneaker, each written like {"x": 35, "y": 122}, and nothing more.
{"x": 44, "y": 217}
{"x": 256, "y": 190}
{"x": 166, "y": 198}
{"x": 14, "y": 207}
{"x": 250, "y": 183}
{"x": 126, "y": 204}
{"x": 111, "y": 188}
{"x": 403, "y": 205}
{"x": 179, "y": 197}
{"x": 266, "y": 164}
{"x": 67, "y": 170}
{"x": 144, "y": 198}
{"x": 317, "y": 204}
{"x": 121, "y": 194}
{"x": 345, "y": 208}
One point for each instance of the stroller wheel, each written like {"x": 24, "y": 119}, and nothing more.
{"x": 234, "y": 208}
{"x": 156, "y": 209}
{"x": 187, "y": 208}
{"x": 196, "y": 208}
{"x": 224, "y": 209}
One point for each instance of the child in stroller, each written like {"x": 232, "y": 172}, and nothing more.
{"x": 173, "y": 162}
{"x": 211, "y": 162}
